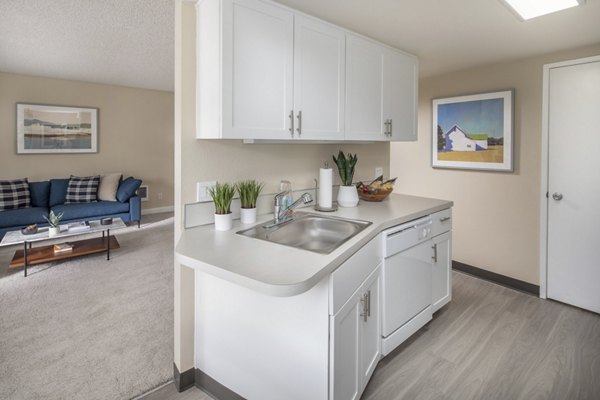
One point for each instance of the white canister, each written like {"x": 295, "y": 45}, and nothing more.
{"x": 223, "y": 222}
{"x": 247, "y": 215}
{"x": 53, "y": 230}
{"x": 347, "y": 196}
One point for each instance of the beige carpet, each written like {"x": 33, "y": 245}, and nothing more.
{"x": 90, "y": 328}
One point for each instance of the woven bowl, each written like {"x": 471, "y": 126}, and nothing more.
{"x": 378, "y": 195}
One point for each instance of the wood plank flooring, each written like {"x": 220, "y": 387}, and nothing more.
{"x": 490, "y": 342}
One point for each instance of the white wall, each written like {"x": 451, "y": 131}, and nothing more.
{"x": 496, "y": 215}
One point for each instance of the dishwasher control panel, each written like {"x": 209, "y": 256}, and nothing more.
{"x": 404, "y": 236}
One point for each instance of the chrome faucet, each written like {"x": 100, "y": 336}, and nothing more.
{"x": 285, "y": 214}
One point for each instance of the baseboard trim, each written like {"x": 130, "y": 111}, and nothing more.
{"x": 214, "y": 388}
{"x": 183, "y": 381}
{"x": 158, "y": 210}
{"x": 497, "y": 278}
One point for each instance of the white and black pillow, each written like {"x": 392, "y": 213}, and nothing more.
{"x": 14, "y": 194}
{"x": 82, "y": 189}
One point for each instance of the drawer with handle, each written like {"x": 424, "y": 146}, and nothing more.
{"x": 442, "y": 222}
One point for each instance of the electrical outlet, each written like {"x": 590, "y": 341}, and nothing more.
{"x": 378, "y": 172}
{"x": 160, "y": 195}
{"x": 202, "y": 190}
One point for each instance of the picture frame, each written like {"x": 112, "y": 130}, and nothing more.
{"x": 473, "y": 131}
{"x": 51, "y": 129}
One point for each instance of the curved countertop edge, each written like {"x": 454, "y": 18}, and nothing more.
{"x": 190, "y": 254}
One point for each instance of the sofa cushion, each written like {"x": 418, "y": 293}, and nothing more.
{"x": 58, "y": 191}
{"x": 95, "y": 209}
{"x": 40, "y": 192}
{"x": 108, "y": 187}
{"x": 21, "y": 217}
{"x": 82, "y": 189}
{"x": 14, "y": 194}
{"x": 127, "y": 189}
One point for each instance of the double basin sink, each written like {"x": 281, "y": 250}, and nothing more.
{"x": 310, "y": 232}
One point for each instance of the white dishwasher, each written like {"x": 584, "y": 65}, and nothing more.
{"x": 407, "y": 281}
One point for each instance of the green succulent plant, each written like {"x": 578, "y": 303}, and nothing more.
{"x": 53, "y": 219}
{"x": 248, "y": 191}
{"x": 222, "y": 195}
{"x": 346, "y": 167}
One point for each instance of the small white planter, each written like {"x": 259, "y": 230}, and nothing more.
{"x": 247, "y": 215}
{"x": 347, "y": 196}
{"x": 53, "y": 230}
{"x": 223, "y": 222}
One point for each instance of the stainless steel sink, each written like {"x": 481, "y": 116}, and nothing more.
{"x": 310, "y": 232}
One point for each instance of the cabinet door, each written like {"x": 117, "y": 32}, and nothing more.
{"x": 371, "y": 330}
{"x": 400, "y": 77}
{"x": 257, "y": 70}
{"x": 345, "y": 382}
{"x": 364, "y": 89}
{"x": 319, "y": 80}
{"x": 442, "y": 270}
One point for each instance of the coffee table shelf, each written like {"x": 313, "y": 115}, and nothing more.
{"x": 44, "y": 254}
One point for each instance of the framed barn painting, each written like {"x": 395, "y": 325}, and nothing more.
{"x": 43, "y": 129}
{"x": 473, "y": 131}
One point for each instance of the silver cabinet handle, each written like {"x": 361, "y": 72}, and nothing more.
{"x": 435, "y": 257}
{"x": 444, "y": 219}
{"x": 299, "y": 129}
{"x": 557, "y": 196}
{"x": 368, "y": 303}
{"x": 291, "y": 117}
{"x": 364, "y": 312}
{"x": 386, "y": 131}
{"x": 390, "y": 128}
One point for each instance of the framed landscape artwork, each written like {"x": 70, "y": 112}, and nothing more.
{"x": 45, "y": 129}
{"x": 473, "y": 131}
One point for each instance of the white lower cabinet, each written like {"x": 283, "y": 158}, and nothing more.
{"x": 442, "y": 271}
{"x": 355, "y": 342}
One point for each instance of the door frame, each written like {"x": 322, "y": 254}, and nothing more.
{"x": 545, "y": 165}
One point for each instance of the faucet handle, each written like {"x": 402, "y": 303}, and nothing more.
{"x": 278, "y": 197}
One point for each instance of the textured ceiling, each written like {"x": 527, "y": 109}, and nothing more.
{"x": 449, "y": 35}
{"x": 121, "y": 42}
{"x": 130, "y": 42}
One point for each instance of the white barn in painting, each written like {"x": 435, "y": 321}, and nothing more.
{"x": 458, "y": 140}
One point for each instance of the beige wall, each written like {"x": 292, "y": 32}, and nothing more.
{"x": 135, "y": 133}
{"x": 496, "y": 215}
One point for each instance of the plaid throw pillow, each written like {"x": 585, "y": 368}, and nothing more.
{"x": 82, "y": 189}
{"x": 14, "y": 194}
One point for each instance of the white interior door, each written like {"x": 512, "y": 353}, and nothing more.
{"x": 573, "y": 266}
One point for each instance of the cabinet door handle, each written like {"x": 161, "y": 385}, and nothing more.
{"x": 299, "y": 129}
{"x": 435, "y": 257}
{"x": 368, "y": 303}
{"x": 390, "y": 128}
{"x": 291, "y": 117}
{"x": 365, "y": 310}
{"x": 444, "y": 219}
{"x": 386, "y": 131}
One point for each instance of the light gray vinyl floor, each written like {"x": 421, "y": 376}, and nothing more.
{"x": 490, "y": 342}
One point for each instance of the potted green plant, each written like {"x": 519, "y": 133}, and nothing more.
{"x": 248, "y": 191}
{"x": 347, "y": 194}
{"x": 54, "y": 222}
{"x": 222, "y": 195}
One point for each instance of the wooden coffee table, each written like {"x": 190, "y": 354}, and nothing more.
{"x": 42, "y": 254}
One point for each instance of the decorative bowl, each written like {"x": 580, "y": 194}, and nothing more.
{"x": 29, "y": 230}
{"x": 376, "y": 195}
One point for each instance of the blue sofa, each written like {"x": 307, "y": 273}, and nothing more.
{"x": 50, "y": 195}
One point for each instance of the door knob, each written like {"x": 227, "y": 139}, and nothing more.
{"x": 557, "y": 196}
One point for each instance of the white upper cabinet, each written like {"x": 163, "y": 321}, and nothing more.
{"x": 319, "y": 80}
{"x": 400, "y": 77}
{"x": 364, "y": 90}
{"x": 267, "y": 72}
{"x": 381, "y": 92}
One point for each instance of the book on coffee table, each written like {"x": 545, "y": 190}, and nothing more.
{"x": 62, "y": 248}
{"x": 79, "y": 226}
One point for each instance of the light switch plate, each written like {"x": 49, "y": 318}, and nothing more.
{"x": 202, "y": 190}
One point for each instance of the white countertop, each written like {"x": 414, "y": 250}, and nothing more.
{"x": 278, "y": 270}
